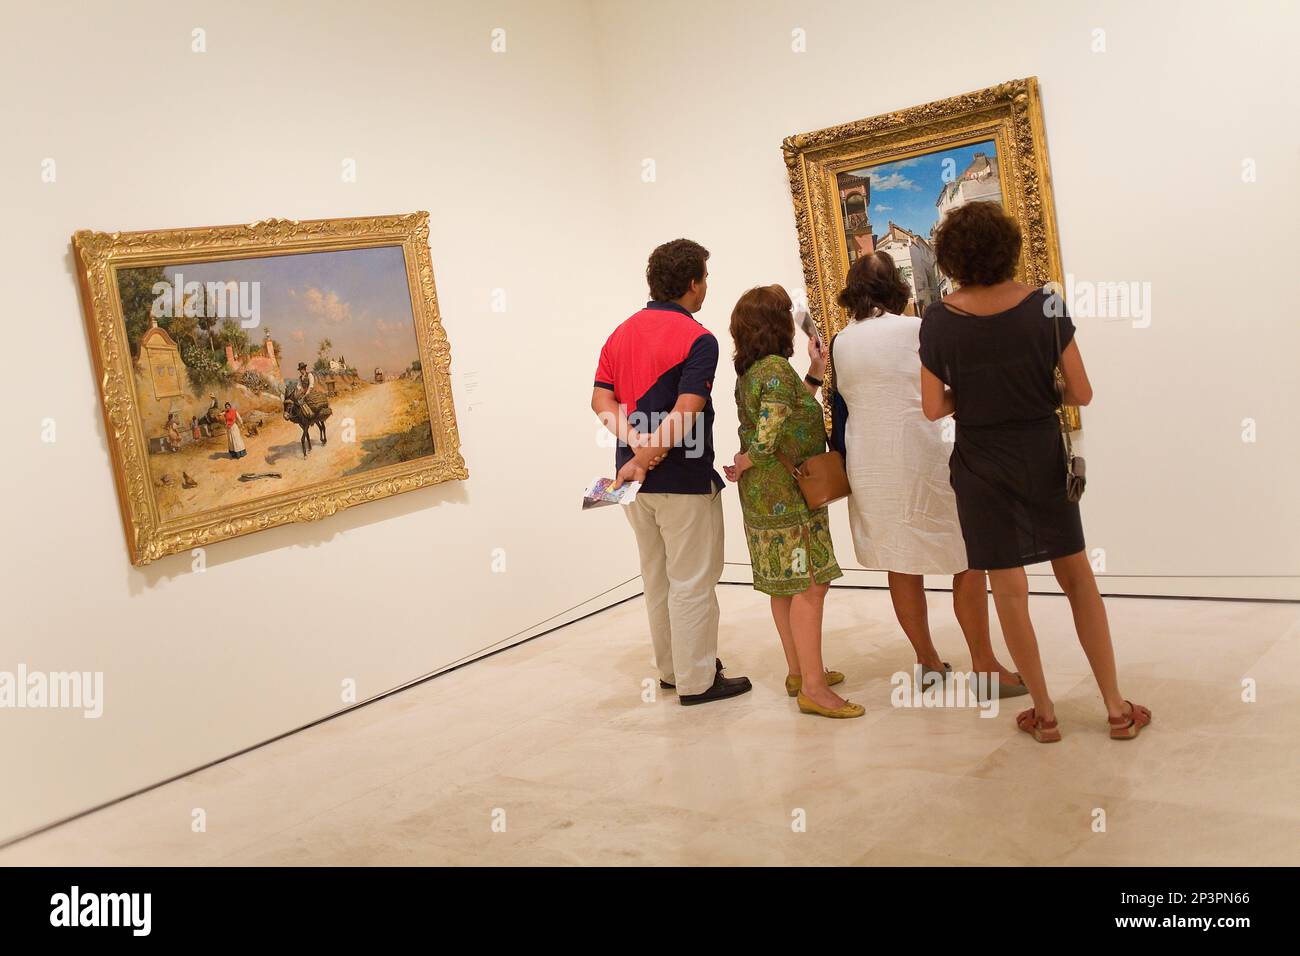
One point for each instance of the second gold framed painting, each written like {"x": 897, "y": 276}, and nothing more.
{"x": 257, "y": 375}
{"x": 885, "y": 182}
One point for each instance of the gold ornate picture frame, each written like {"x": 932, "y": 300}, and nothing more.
{"x": 188, "y": 480}
{"x": 833, "y": 202}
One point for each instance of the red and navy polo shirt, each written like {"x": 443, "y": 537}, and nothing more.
{"x": 658, "y": 354}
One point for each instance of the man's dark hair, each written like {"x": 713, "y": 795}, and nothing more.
{"x": 672, "y": 268}
{"x": 978, "y": 244}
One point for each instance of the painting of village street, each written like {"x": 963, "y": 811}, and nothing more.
{"x": 895, "y": 207}
{"x": 260, "y": 376}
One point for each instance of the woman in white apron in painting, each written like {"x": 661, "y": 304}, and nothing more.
{"x": 233, "y": 435}
{"x": 902, "y": 510}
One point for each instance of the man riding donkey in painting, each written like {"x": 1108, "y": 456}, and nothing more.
{"x": 306, "y": 394}
{"x": 307, "y": 405}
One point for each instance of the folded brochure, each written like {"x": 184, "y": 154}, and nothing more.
{"x": 601, "y": 492}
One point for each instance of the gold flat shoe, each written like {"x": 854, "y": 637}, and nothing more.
{"x": 794, "y": 682}
{"x": 849, "y": 710}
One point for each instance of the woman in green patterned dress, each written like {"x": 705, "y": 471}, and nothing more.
{"x": 789, "y": 546}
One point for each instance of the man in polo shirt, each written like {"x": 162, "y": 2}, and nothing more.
{"x": 652, "y": 391}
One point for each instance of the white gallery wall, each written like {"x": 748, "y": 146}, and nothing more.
{"x": 505, "y": 152}
{"x": 1147, "y": 142}
{"x": 531, "y": 164}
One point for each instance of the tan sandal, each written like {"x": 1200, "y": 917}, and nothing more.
{"x": 1041, "y": 730}
{"x": 1128, "y": 727}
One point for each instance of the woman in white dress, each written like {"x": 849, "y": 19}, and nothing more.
{"x": 902, "y": 510}
{"x": 234, "y": 436}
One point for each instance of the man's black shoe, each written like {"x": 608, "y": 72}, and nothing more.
{"x": 723, "y": 687}
{"x": 667, "y": 686}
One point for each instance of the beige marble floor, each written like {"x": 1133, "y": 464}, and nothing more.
{"x": 553, "y": 739}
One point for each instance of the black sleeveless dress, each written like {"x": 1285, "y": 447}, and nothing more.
{"x": 1006, "y": 467}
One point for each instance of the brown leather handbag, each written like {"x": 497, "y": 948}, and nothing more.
{"x": 821, "y": 478}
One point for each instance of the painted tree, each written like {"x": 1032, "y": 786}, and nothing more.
{"x": 135, "y": 288}
{"x": 183, "y": 328}
{"x": 233, "y": 334}
{"x": 208, "y": 323}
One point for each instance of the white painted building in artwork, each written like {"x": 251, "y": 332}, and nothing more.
{"x": 914, "y": 257}
{"x": 978, "y": 182}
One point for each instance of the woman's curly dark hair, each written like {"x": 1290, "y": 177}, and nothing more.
{"x": 978, "y": 244}
{"x": 762, "y": 325}
{"x": 672, "y": 267}
{"x": 874, "y": 282}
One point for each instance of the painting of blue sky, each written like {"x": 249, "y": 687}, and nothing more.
{"x": 905, "y": 191}
{"x": 356, "y": 298}
{"x": 233, "y": 421}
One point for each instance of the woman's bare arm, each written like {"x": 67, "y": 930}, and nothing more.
{"x": 936, "y": 398}
{"x": 1078, "y": 390}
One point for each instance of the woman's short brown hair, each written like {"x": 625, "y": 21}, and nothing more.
{"x": 874, "y": 282}
{"x": 672, "y": 268}
{"x": 978, "y": 244}
{"x": 762, "y": 325}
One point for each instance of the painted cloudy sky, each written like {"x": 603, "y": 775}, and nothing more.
{"x": 906, "y": 191}
{"x": 357, "y": 298}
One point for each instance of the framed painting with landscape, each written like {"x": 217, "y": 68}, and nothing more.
{"x": 885, "y": 183}
{"x": 262, "y": 374}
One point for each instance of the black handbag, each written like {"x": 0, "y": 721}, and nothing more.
{"x": 1075, "y": 467}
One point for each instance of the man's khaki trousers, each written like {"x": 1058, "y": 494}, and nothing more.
{"x": 680, "y": 541}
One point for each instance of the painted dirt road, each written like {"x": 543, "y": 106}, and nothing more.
{"x": 389, "y": 423}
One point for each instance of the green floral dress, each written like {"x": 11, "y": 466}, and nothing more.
{"x": 789, "y": 546}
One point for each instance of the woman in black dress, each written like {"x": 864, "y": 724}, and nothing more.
{"x": 987, "y": 356}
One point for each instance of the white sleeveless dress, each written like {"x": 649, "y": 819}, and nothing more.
{"x": 902, "y": 509}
